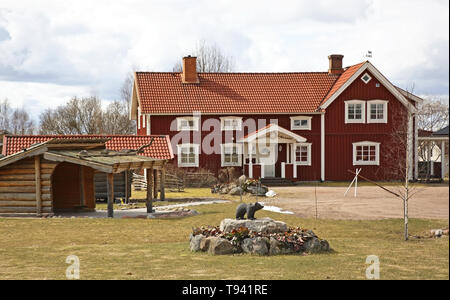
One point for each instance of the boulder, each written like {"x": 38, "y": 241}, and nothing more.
{"x": 220, "y": 246}
{"x": 236, "y": 191}
{"x": 315, "y": 245}
{"x": 204, "y": 244}
{"x": 276, "y": 247}
{"x": 260, "y": 191}
{"x": 242, "y": 179}
{"x": 265, "y": 225}
{"x": 258, "y": 245}
{"x": 196, "y": 242}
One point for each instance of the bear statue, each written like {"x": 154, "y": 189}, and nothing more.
{"x": 248, "y": 209}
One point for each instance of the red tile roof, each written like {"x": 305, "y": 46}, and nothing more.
{"x": 161, "y": 147}
{"x": 348, "y": 73}
{"x": 164, "y": 93}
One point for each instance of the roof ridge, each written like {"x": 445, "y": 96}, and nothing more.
{"x": 247, "y": 73}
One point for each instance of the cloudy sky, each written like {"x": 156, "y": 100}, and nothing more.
{"x": 51, "y": 51}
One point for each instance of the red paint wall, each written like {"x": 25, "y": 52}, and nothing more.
{"x": 340, "y": 136}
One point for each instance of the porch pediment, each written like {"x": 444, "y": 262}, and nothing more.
{"x": 272, "y": 133}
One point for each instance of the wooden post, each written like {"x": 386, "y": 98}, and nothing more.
{"x": 149, "y": 200}
{"x": 110, "y": 185}
{"x": 37, "y": 172}
{"x": 82, "y": 200}
{"x": 163, "y": 184}
{"x": 127, "y": 187}
{"x": 155, "y": 184}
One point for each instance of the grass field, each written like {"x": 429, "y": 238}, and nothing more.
{"x": 159, "y": 249}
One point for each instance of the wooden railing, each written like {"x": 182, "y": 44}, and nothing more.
{"x": 173, "y": 183}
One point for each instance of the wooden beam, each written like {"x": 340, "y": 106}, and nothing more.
{"x": 110, "y": 186}
{"x": 127, "y": 186}
{"x": 149, "y": 199}
{"x": 155, "y": 184}
{"x": 37, "y": 173}
{"x": 163, "y": 184}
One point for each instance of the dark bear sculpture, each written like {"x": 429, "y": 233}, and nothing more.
{"x": 248, "y": 209}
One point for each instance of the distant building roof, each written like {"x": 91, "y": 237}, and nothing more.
{"x": 443, "y": 131}
{"x": 160, "y": 148}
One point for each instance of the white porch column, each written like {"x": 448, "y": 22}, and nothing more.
{"x": 410, "y": 146}
{"x": 416, "y": 148}
{"x": 262, "y": 170}
{"x": 443, "y": 159}
{"x": 283, "y": 170}
{"x": 322, "y": 149}
{"x": 294, "y": 167}
{"x": 250, "y": 160}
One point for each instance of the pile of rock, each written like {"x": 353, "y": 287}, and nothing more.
{"x": 260, "y": 237}
{"x": 242, "y": 185}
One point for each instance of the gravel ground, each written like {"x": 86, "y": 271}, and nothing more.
{"x": 371, "y": 203}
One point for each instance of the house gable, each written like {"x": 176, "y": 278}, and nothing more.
{"x": 357, "y": 72}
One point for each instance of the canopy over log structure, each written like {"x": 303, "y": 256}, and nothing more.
{"x": 59, "y": 175}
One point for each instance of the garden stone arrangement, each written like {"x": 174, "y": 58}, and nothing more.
{"x": 260, "y": 237}
{"x": 241, "y": 186}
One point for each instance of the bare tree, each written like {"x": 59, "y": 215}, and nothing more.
{"x": 15, "y": 121}
{"x": 433, "y": 114}
{"x": 78, "y": 116}
{"x": 210, "y": 58}
{"x": 116, "y": 119}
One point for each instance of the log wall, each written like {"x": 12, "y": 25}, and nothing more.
{"x": 18, "y": 182}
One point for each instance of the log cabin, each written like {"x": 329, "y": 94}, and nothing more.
{"x": 58, "y": 175}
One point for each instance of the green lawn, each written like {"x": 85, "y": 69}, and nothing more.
{"x": 159, "y": 249}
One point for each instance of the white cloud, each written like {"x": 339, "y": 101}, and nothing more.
{"x": 83, "y": 46}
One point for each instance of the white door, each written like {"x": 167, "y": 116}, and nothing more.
{"x": 267, "y": 156}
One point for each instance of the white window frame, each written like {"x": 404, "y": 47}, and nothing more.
{"x": 385, "y": 111}
{"x": 363, "y": 112}
{"x": 194, "y": 128}
{"x": 368, "y": 80}
{"x": 238, "y": 127}
{"x": 294, "y": 154}
{"x": 366, "y": 163}
{"x": 300, "y": 118}
{"x": 239, "y": 153}
{"x": 196, "y": 152}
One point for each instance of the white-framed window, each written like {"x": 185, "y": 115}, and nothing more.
{"x": 301, "y": 123}
{"x": 231, "y": 123}
{"x": 187, "y": 123}
{"x": 355, "y": 111}
{"x": 231, "y": 155}
{"x": 302, "y": 154}
{"x": 366, "y": 154}
{"x": 188, "y": 155}
{"x": 377, "y": 111}
{"x": 366, "y": 78}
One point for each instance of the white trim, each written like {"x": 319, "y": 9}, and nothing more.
{"x": 262, "y": 170}
{"x": 148, "y": 126}
{"x": 416, "y": 148}
{"x": 196, "y": 152}
{"x": 224, "y": 128}
{"x": 385, "y": 111}
{"x": 443, "y": 161}
{"x": 239, "y": 153}
{"x": 303, "y": 163}
{"x": 367, "y": 163}
{"x": 139, "y": 118}
{"x": 383, "y": 80}
{"x": 410, "y": 146}
{"x": 363, "y": 112}
{"x": 409, "y": 95}
{"x": 272, "y": 128}
{"x": 368, "y": 80}
{"x": 322, "y": 147}
{"x": 188, "y": 118}
{"x": 301, "y": 118}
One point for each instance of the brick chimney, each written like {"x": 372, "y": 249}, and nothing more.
{"x": 189, "y": 70}
{"x": 335, "y": 64}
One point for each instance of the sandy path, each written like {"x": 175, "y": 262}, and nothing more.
{"x": 430, "y": 202}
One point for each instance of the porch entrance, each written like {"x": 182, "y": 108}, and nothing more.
{"x": 270, "y": 152}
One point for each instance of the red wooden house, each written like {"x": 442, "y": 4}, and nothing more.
{"x": 301, "y": 126}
